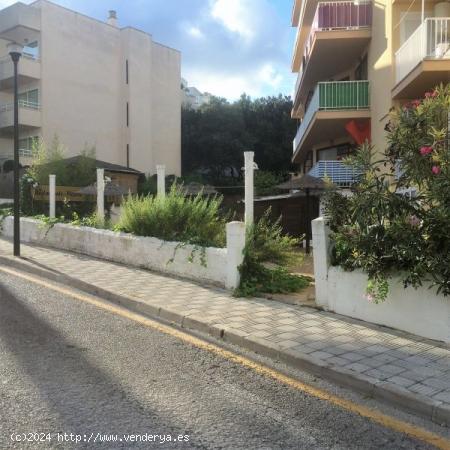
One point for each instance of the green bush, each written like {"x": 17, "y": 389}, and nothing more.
{"x": 50, "y": 161}
{"x": 148, "y": 184}
{"x": 384, "y": 232}
{"x": 266, "y": 251}
{"x": 266, "y": 182}
{"x": 177, "y": 217}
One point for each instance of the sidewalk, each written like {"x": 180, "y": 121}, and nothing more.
{"x": 411, "y": 372}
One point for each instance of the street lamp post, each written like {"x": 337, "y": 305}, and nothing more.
{"x": 15, "y": 51}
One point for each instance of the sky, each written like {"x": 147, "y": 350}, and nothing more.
{"x": 228, "y": 46}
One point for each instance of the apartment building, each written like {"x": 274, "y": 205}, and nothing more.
{"x": 192, "y": 97}
{"x": 90, "y": 83}
{"x": 355, "y": 60}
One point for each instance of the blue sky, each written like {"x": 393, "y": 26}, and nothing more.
{"x": 228, "y": 46}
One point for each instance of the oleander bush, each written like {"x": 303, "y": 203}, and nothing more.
{"x": 385, "y": 231}
{"x": 180, "y": 218}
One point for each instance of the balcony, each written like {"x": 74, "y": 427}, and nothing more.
{"x": 20, "y": 23}
{"x": 29, "y": 70}
{"x": 423, "y": 61}
{"x": 333, "y": 104}
{"x": 29, "y": 117}
{"x": 339, "y": 34}
{"x": 339, "y": 173}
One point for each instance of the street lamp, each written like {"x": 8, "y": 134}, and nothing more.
{"x": 15, "y": 51}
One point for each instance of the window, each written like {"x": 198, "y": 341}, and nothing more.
{"x": 409, "y": 22}
{"x": 31, "y": 50}
{"x": 334, "y": 153}
{"x": 126, "y": 71}
{"x": 307, "y": 165}
{"x": 29, "y": 99}
{"x": 361, "y": 72}
{"x": 27, "y": 146}
{"x": 128, "y": 114}
{"x": 128, "y": 155}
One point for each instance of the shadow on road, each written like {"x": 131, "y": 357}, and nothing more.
{"x": 83, "y": 397}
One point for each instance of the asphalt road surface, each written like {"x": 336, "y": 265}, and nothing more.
{"x": 70, "y": 371}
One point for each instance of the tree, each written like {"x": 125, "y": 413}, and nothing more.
{"x": 50, "y": 160}
{"x": 215, "y": 136}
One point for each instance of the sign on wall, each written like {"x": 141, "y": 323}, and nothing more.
{"x": 63, "y": 193}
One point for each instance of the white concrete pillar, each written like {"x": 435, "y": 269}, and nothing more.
{"x": 101, "y": 194}
{"x": 249, "y": 187}
{"x": 52, "y": 195}
{"x": 161, "y": 180}
{"x": 235, "y": 252}
{"x": 321, "y": 254}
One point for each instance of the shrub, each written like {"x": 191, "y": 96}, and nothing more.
{"x": 265, "y": 251}
{"x": 266, "y": 182}
{"x": 148, "y": 185}
{"x": 384, "y": 232}
{"x": 177, "y": 217}
{"x": 50, "y": 161}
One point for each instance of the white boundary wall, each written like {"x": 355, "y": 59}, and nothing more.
{"x": 419, "y": 311}
{"x": 145, "y": 252}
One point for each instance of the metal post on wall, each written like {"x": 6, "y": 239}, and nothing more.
{"x": 15, "y": 51}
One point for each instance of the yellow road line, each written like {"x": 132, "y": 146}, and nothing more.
{"x": 372, "y": 414}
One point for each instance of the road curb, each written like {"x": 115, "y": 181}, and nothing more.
{"x": 381, "y": 390}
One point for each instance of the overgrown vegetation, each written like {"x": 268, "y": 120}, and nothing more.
{"x": 215, "y": 136}
{"x": 385, "y": 232}
{"x": 50, "y": 160}
{"x": 266, "y": 251}
{"x": 91, "y": 220}
{"x": 177, "y": 217}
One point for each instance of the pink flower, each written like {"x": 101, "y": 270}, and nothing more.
{"x": 431, "y": 94}
{"x": 426, "y": 150}
{"x": 436, "y": 170}
{"x": 415, "y": 103}
{"x": 369, "y": 297}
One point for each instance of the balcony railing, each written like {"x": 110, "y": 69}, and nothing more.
{"x": 22, "y": 104}
{"x": 336, "y": 96}
{"x": 334, "y": 16}
{"x": 336, "y": 171}
{"x": 431, "y": 40}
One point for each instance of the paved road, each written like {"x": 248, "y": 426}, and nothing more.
{"x": 68, "y": 367}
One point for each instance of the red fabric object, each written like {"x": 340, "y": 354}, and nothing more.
{"x": 359, "y": 130}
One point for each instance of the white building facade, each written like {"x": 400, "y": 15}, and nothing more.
{"x": 90, "y": 83}
{"x": 192, "y": 97}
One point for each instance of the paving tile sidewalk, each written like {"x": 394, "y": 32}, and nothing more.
{"x": 396, "y": 366}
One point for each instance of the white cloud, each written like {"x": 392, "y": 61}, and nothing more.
{"x": 235, "y": 15}
{"x": 195, "y": 32}
{"x": 269, "y": 75}
{"x": 254, "y": 82}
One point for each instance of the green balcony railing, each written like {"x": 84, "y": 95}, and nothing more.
{"x": 334, "y": 96}
{"x": 344, "y": 95}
